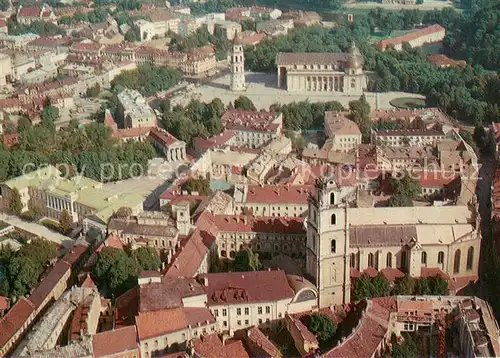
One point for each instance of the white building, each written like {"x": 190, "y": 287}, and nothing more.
{"x": 238, "y": 81}
{"x": 134, "y": 111}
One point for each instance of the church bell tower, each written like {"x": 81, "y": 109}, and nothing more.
{"x": 238, "y": 81}
{"x": 327, "y": 259}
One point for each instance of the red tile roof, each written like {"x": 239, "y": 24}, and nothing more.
{"x": 209, "y": 347}
{"x": 45, "y": 287}
{"x": 14, "y": 320}
{"x": 250, "y": 120}
{"x": 163, "y": 138}
{"x": 236, "y": 350}
{"x": 132, "y": 132}
{"x": 10, "y": 140}
{"x": 411, "y": 36}
{"x": 198, "y": 316}
{"x": 52, "y": 41}
{"x": 88, "y": 282}
{"x": 297, "y": 194}
{"x": 441, "y": 60}
{"x": 3, "y": 23}
{"x": 433, "y": 272}
{"x": 4, "y": 303}
{"x": 392, "y": 274}
{"x": 239, "y": 287}
{"x": 112, "y": 241}
{"x": 259, "y": 344}
{"x": 127, "y": 307}
{"x": 370, "y": 332}
{"x": 188, "y": 259}
{"x": 154, "y": 324}
{"x": 29, "y": 12}
{"x": 75, "y": 253}
{"x": 248, "y": 223}
{"x": 119, "y": 341}
{"x": 338, "y": 123}
{"x": 252, "y": 39}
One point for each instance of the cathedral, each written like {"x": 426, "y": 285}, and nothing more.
{"x": 322, "y": 72}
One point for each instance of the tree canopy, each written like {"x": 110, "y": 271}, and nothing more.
{"x": 116, "y": 271}
{"x": 147, "y": 79}
{"x": 322, "y": 327}
{"x": 24, "y": 267}
{"x": 244, "y": 103}
{"x": 199, "y": 185}
{"x": 367, "y": 287}
{"x": 404, "y": 190}
{"x": 304, "y": 114}
{"x": 359, "y": 111}
{"x": 246, "y": 260}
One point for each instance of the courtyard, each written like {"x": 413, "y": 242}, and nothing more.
{"x": 262, "y": 90}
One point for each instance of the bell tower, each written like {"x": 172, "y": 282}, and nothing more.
{"x": 238, "y": 81}
{"x": 327, "y": 259}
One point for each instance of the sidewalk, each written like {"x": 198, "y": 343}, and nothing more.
{"x": 38, "y": 229}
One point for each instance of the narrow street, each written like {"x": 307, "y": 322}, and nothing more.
{"x": 488, "y": 273}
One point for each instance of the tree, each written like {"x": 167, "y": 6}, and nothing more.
{"x": 115, "y": 271}
{"x": 321, "y": 326}
{"x": 360, "y": 114}
{"x": 147, "y": 258}
{"x": 15, "y": 204}
{"x": 432, "y": 286}
{"x": 130, "y": 36}
{"x": 404, "y": 190}
{"x": 367, "y": 287}
{"x": 94, "y": 91}
{"x": 246, "y": 260}
{"x": 4, "y": 5}
{"x": 50, "y": 114}
{"x": 409, "y": 347}
{"x": 406, "y": 285}
{"x": 23, "y": 124}
{"x": 199, "y": 185}
{"x": 73, "y": 125}
{"x": 65, "y": 221}
{"x": 244, "y": 103}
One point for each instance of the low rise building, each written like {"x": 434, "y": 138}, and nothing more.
{"x": 15, "y": 324}
{"x": 134, "y": 111}
{"x": 253, "y": 129}
{"x": 39, "y": 75}
{"x": 343, "y": 133}
{"x": 408, "y": 138}
{"x": 418, "y": 38}
{"x": 27, "y": 15}
{"x": 5, "y": 69}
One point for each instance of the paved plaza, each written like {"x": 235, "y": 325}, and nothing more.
{"x": 262, "y": 90}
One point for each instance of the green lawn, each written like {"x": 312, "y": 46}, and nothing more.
{"x": 408, "y": 102}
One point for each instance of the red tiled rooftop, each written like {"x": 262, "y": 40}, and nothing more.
{"x": 252, "y": 39}
{"x": 239, "y": 287}
{"x": 132, "y": 132}
{"x": 45, "y": 287}
{"x": 116, "y": 342}
{"x": 262, "y": 224}
{"x": 444, "y": 61}
{"x": 297, "y": 194}
{"x": 154, "y": 324}
{"x": 260, "y": 340}
{"x": 187, "y": 260}
{"x": 372, "y": 328}
{"x": 4, "y": 303}
{"x": 14, "y": 320}
{"x": 3, "y": 23}
{"x": 52, "y": 41}
{"x": 409, "y": 305}
{"x": 209, "y": 347}
{"x": 163, "y": 138}
{"x": 249, "y": 120}
{"x": 409, "y": 37}
{"x": 426, "y": 272}
{"x": 236, "y": 350}
{"x": 112, "y": 241}
{"x": 29, "y": 12}
{"x": 198, "y": 316}
{"x": 392, "y": 274}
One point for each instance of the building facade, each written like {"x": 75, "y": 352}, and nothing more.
{"x": 322, "y": 72}
{"x": 134, "y": 111}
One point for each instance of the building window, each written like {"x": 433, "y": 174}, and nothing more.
{"x": 259, "y": 310}
{"x": 246, "y": 322}
{"x": 456, "y": 263}
{"x": 260, "y": 320}
{"x": 224, "y": 312}
{"x": 247, "y": 311}
{"x": 440, "y": 257}
{"x": 268, "y": 309}
{"x": 470, "y": 258}
{"x": 238, "y": 311}
{"x": 239, "y": 323}
{"x": 388, "y": 262}
{"x": 224, "y": 323}
{"x": 333, "y": 219}
{"x": 333, "y": 246}
{"x": 332, "y": 198}
{"x": 370, "y": 260}
{"x": 423, "y": 259}
{"x": 216, "y": 313}
{"x": 353, "y": 260}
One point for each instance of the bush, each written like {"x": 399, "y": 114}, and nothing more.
{"x": 52, "y": 225}
{"x": 29, "y": 215}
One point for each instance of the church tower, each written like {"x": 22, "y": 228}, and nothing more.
{"x": 238, "y": 82}
{"x": 354, "y": 79}
{"x": 327, "y": 259}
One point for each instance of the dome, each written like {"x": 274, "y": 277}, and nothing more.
{"x": 355, "y": 58}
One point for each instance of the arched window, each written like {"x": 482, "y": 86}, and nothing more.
{"x": 470, "y": 258}
{"x": 353, "y": 260}
{"x": 388, "y": 262}
{"x": 440, "y": 257}
{"x": 423, "y": 259}
{"x": 370, "y": 260}
{"x": 456, "y": 263}
{"x": 403, "y": 259}
{"x": 332, "y": 198}
{"x": 333, "y": 246}
{"x": 333, "y": 219}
